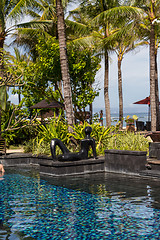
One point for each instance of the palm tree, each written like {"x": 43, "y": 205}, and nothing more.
{"x": 152, "y": 70}
{"x": 105, "y": 15}
{"x": 122, "y": 47}
{"x": 144, "y": 39}
{"x": 10, "y": 11}
{"x": 64, "y": 63}
{"x": 51, "y": 21}
{"x": 151, "y": 10}
{"x": 109, "y": 22}
{"x": 102, "y": 30}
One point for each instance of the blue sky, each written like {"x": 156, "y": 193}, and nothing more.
{"x": 136, "y": 85}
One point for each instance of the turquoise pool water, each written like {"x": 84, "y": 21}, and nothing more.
{"x": 103, "y": 206}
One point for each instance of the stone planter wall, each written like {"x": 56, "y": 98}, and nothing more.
{"x": 154, "y": 150}
{"x": 71, "y": 168}
{"x": 123, "y": 161}
{"x": 129, "y": 162}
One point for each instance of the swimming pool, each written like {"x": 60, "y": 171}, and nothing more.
{"x": 103, "y": 206}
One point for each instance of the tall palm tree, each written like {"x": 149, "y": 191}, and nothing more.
{"x": 122, "y": 47}
{"x": 64, "y": 63}
{"x": 17, "y": 68}
{"x": 151, "y": 9}
{"x": 108, "y": 22}
{"x": 50, "y": 20}
{"x": 102, "y": 30}
{"x": 104, "y": 16}
{"x": 152, "y": 69}
{"x": 144, "y": 39}
{"x": 9, "y": 11}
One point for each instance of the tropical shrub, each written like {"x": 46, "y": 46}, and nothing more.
{"x": 100, "y": 133}
{"x": 55, "y": 128}
{"x": 105, "y": 138}
{"x": 128, "y": 141}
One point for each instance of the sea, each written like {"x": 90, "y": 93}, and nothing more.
{"x": 115, "y": 117}
{"x": 142, "y": 116}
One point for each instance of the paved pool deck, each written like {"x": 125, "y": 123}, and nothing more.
{"x": 8, "y": 151}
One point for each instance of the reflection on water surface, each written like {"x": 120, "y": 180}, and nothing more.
{"x": 102, "y": 206}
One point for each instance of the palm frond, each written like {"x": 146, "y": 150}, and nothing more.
{"x": 81, "y": 29}
{"x": 113, "y": 14}
{"x": 33, "y": 14}
{"x": 49, "y": 13}
{"x": 38, "y": 24}
{"x": 83, "y": 42}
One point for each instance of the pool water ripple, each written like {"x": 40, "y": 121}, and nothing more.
{"x": 35, "y": 208}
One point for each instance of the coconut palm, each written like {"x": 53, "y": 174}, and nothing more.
{"x": 50, "y": 21}
{"x": 151, "y": 9}
{"x": 101, "y": 31}
{"x": 17, "y": 68}
{"x": 124, "y": 45}
{"x": 64, "y": 63}
{"x": 109, "y": 21}
{"x": 144, "y": 39}
{"x": 95, "y": 36}
{"x": 104, "y": 16}
{"x": 10, "y": 11}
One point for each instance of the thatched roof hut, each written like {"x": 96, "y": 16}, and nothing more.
{"x": 47, "y": 107}
{"x": 47, "y": 104}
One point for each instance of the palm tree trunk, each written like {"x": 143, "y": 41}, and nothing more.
{"x": 1, "y": 71}
{"x": 1, "y": 56}
{"x": 106, "y": 90}
{"x": 120, "y": 93}
{"x": 152, "y": 79}
{"x": 64, "y": 63}
{"x": 157, "y": 91}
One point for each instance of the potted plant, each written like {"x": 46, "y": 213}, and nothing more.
{"x": 130, "y": 122}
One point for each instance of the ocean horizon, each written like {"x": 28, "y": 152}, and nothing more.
{"x": 142, "y": 116}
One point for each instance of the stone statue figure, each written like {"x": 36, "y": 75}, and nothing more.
{"x": 71, "y": 156}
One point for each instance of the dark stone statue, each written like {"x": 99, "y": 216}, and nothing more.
{"x": 71, "y": 156}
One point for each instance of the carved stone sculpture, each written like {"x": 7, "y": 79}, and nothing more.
{"x": 74, "y": 156}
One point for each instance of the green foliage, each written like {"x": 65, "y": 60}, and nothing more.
{"x": 45, "y": 73}
{"x": 36, "y": 147}
{"x": 83, "y": 66}
{"x": 128, "y": 141}
{"x": 101, "y": 135}
{"x": 105, "y": 137}
{"x": 131, "y": 119}
{"x": 3, "y": 97}
{"x": 56, "y": 128}
{"x": 13, "y": 120}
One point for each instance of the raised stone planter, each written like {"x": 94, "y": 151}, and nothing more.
{"x": 86, "y": 166}
{"x": 129, "y": 162}
{"x": 122, "y": 161}
{"x": 48, "y": 166}
{"x": 154, "y": 150}
{"x": 154, "y": 156}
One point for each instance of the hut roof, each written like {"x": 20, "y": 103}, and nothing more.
{"x": 48, "y": 104}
